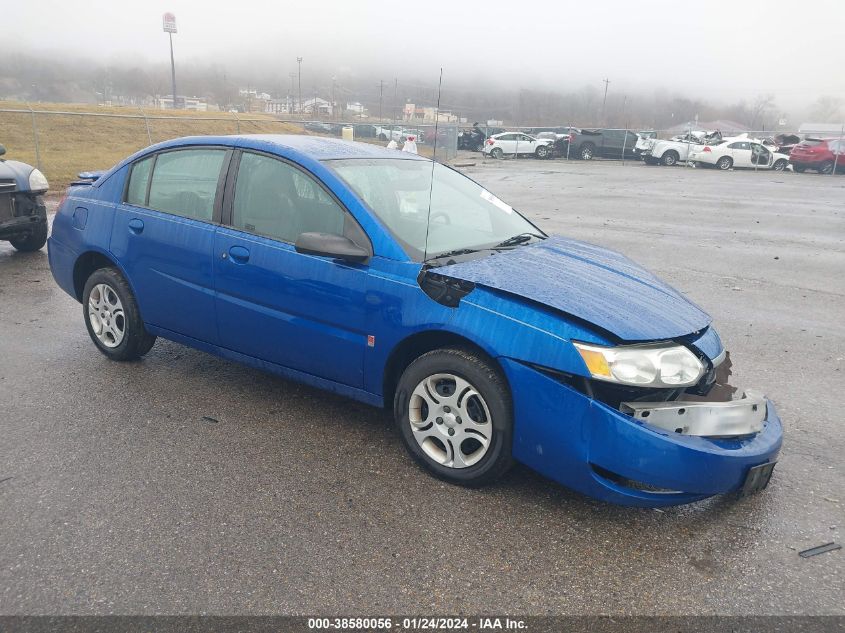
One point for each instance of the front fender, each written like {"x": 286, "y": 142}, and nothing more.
{"x": 506, "y": 326}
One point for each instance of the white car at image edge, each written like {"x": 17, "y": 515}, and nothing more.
{"x": 739, "y": 153}
{"x": 516, "y": 143}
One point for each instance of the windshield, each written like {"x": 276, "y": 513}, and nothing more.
{"x": 464, "y": 215}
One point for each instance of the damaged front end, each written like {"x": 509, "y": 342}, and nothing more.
{"x": 20, "y": 212}
{"x": 647, "y": 446}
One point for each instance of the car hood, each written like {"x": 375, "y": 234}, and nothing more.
{"x": 17, "y": 171}
{"x": 593, "y": 284}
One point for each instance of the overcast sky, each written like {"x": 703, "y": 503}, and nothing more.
{"x": 717, "y": 50}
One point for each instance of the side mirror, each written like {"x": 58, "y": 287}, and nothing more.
{"x": 2, "y": 150}
{"x": 330, "y": 245}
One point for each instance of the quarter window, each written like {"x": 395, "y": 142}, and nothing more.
{"x": 275, "y": 199}
{"x": 185, "y": 182}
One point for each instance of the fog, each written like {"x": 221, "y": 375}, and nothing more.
{"x": 712, "y": 50}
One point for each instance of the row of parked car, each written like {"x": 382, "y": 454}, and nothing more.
{"x": 700, "y": 148}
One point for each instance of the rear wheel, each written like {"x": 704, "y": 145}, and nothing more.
{"x": 670, "y": 158}
{"x": 542, "y": 151}
{"x": 779, "y": 165}
{"x": 453, "y": 411}
{"x": 587, "y": 151}
{"x": 497, "y": 152}
{"x": 725, "y": 163}
{"x": 826, "y": 167}
{"x": 33, "y": 241}
{"x": 112, "y": 316}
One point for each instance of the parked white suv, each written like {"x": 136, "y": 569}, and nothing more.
{"x": 516, "y": 143}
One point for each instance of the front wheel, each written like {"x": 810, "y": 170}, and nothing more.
{"x": 799, "y": 169}
{"x": 587, "y": 151}
{"x": 725, "y": 163}
{"x": 33, "y": 241}
{"x": 542, "y": 151}
{"x": 112, "y": 316}
{"x": 779, "y": 165}
{"x": 453, "y": 411}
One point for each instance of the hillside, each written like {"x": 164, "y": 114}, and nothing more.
{"x": 70, "y": 143}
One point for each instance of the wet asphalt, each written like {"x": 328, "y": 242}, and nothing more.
{"x": 188, "y": 484}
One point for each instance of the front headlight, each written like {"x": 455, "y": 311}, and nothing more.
{"x": 648, "y": 365}
{"x": 37, "y": 182}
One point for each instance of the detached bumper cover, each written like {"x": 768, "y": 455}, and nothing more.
{"x": 595, "y": 449}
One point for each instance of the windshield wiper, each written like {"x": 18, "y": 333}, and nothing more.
{"x": 457, "y": 251}
{"x": 518, "y": 239}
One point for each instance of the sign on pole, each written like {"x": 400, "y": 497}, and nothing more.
{"x": 169, "y": 23}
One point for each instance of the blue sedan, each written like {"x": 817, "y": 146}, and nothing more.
{"x": 399, "y": 282}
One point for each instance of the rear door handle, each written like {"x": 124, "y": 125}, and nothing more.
{"x": 238, "y": 254}
{"x": 136, "y": 225}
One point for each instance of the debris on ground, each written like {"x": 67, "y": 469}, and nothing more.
{"x": 820, "y": 549}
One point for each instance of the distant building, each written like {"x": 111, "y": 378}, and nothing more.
{"x": 317, "y": 106}
{"x": 196, "y": 104}
{"x": 281, "y": 106}
{"x": 357, "y": 109}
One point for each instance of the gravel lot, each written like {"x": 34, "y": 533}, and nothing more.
{"x": 119, "y": 495}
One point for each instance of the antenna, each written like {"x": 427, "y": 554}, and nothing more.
{"x": 433, "y": 163}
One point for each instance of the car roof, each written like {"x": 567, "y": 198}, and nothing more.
{"x": 308, "y": 151}
{"x": 297, "y": 145}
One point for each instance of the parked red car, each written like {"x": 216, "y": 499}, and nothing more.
{"x": 819, "y": 155}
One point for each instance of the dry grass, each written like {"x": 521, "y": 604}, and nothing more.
{"x": 71, "y": 143}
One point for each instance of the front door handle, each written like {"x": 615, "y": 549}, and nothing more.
{"x": 136, "y": 226}
{"x": 238, "y": 254}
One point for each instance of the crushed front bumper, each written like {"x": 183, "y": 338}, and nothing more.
{"x": 600, "y": 451}
{"x": 733, "y": 418}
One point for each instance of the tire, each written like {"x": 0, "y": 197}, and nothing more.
{"x": 497, "y": 153}
{"x": 648, "y": 160}
{"x": 33, "y": 241}
{"x": 799, "y": 169}
{"x": 725, "y": 163}
{"x": 542, "y": 152}
{"x": 780, "y": 165}
{"x": 670, "y": 158}
{"x": 587, "y": 151}
{"x": 826, "y": 167}
{"x": 112, "y": 317}
{"x": 448, "y": 375}
{"x": 382, "y": 137}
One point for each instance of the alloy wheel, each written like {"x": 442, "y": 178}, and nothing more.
{"x": 450, "y": 420}
{"x": 105, "y": 312}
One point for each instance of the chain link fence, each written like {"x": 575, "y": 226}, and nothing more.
{"x": 62, "y": 143}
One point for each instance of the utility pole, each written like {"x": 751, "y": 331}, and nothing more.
{"x": 334, "y": 79}
{"x": 290, "y": 94}
{"x": 299, "y": 61}
{"x": 604, "y": 103}
{"x": 395, "y": 89}
{"x": 169, "y": 27}
{"x": 380, "y": 97}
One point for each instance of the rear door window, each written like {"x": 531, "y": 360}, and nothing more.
{"x": 139, "y": 178}
{"x": 185, "y": 182}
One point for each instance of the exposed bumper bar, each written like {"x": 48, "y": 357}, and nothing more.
{"x": 734, "y": 418}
